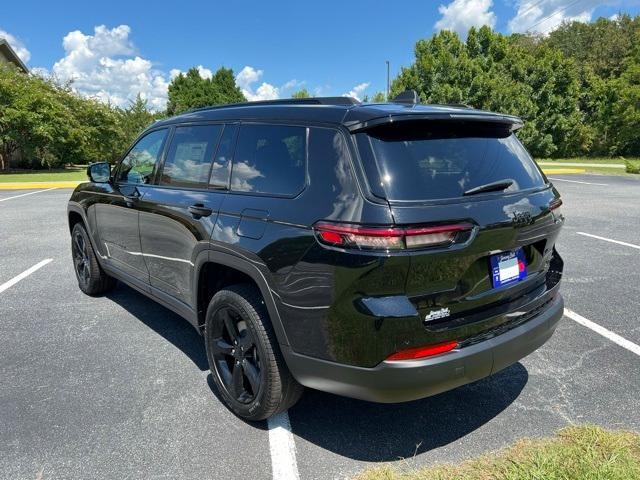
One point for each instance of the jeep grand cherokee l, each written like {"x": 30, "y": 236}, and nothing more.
{"x": 385, "y": 252}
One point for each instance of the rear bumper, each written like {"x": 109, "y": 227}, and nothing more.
{"x": 390, "y": 382}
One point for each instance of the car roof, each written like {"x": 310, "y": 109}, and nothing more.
{"x": 344, "y": 111}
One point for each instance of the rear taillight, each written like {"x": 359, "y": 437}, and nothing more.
{"x": 555, "y": 203}
{"x": 554, "y": 207}
{"x": 422, "y": 352}
{"x": 388, "y": 238}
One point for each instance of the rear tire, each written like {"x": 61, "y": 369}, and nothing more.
{"x": 92, "y": 280}
{"x": 245, "y": 359}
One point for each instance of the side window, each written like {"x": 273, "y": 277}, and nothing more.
{"x": 188, "y": 161}
{"x": 270, "y": 159}
{"x": 137, "y": 166}
{"x": 222, "y": 161}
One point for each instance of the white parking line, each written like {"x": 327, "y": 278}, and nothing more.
{"x": 283, "y": 448}
{"x": 24, "y": 274}
{"x": 29, "y": 193}
{"x": 609, "y": 240}
{"x": 614, "y": 337}
{"x": 576, "y": 181}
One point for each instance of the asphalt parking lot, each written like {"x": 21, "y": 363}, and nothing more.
{"x": 118, "y": 387}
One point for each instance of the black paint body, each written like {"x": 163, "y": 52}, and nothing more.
{"x": 146, "y": 236}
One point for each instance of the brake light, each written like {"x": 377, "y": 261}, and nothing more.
{"x": 388, "y": 238}
{"x": 555, "y": 203}
{"x": 423, "y": 352}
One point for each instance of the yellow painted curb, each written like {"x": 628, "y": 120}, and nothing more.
{"x": 36, "y": 185}
{"x": 563, "y": 170}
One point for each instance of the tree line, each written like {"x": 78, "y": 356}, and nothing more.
{"x": 578, "y": 89}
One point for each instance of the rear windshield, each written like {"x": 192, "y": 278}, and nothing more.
{"x": 416, "y": 161}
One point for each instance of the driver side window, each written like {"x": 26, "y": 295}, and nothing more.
{"x": 138, "y": 165}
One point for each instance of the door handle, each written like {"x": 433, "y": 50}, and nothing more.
{"x": 199, "y": 210}
{"x": 133, "y": 198}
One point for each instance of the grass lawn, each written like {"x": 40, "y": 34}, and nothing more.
{"x": 43, "y": 176}
{"x": 608, "y": 171}
{"x": 614, "y": 160}
{"x": 597, "y": 165}
{"x": 585, "y": 452}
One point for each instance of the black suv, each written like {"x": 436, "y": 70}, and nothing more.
{"x": 385, "y": 252}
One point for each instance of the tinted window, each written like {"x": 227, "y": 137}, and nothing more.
{"x": 138, "y": 165}
{"x": 222, "y": 161}
{"x": 270, "y": 159}
{"x": 189, "y": 158}
{"x": 427, "y": 161}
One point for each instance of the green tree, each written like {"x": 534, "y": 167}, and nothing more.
{"x": 137, "y": 116}
{"x": 494, "y": 72}
{"x": 33, "y": 119}
{"x": 302, "y": 93}
{"x": 602, "y": 45}
{"x": 378, "y": 97}
{"x": 625, "y": 110}
{"x": 190, "y": 90}
{"x": 49, "y": 125}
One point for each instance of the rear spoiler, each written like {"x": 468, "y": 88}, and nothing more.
{"x": 509, "y": 121}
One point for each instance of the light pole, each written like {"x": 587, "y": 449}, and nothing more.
{"x": 387, "y": 80}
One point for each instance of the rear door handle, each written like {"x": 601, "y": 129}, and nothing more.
{"x": 199, "y": 210}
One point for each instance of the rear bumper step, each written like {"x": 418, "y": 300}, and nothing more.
{"x": 400, "y": 381}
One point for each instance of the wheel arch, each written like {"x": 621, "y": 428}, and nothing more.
{"x": 75, "y": 214}
{"x": 215, "y": 270}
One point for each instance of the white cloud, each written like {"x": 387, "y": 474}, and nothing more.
{"x": 203, "y": 71}
{"x": 293, "y": 83}
{"x": 460, "y": 15}
{"x": 245, "y": 80}
{"x": 357, "y": 91}
{"x": 544, "y": 16}
{"x": 17, "y": 45}
{"x": 247, "y": 76}
{"x": 104, "y": 66}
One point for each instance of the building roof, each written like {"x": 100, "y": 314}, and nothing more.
{"x": 12, "y": 56}
{"x": 347, "y": 112}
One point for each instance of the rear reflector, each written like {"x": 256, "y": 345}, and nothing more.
{"x": 388, "y": 238}
{"x": 422, "y": 352}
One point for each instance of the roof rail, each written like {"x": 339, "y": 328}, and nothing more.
{"x": 285, "y": 101}
{"x": 461, "y": 105}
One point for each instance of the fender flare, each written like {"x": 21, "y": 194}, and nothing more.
{"x": 252, "y": 271}
{"x": 75, "y": 207}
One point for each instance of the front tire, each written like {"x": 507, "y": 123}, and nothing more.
{"x": 92, "y": 280}
{"x": 245, "y": 360}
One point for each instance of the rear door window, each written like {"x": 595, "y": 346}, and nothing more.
{"x": 417, "y": 161}
{"x": 188, "y": 162}
{"x": 270, "y": 159}
{"x": 222, "y": 160}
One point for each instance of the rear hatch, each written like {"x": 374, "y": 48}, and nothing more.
{"x": 456, "y": 172}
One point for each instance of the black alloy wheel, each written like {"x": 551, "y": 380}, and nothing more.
{"x": 246, "y": 363}
{"x": 236, "y": 357}
{"x": 92, "y": 279}
{"x": 81, "y": 260}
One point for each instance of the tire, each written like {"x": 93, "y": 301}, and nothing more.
{"x": 92, "y": 280}
{"x": 250, "y": 375}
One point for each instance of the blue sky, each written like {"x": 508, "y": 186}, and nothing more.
{"x": 329, "y": 47}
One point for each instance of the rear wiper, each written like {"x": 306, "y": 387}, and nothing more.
{"x": 490, "y": 187}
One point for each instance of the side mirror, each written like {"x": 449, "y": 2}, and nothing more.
{"x": 99, "y": 172}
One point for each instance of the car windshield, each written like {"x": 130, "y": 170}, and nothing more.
{"x": 417, "y": 161}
